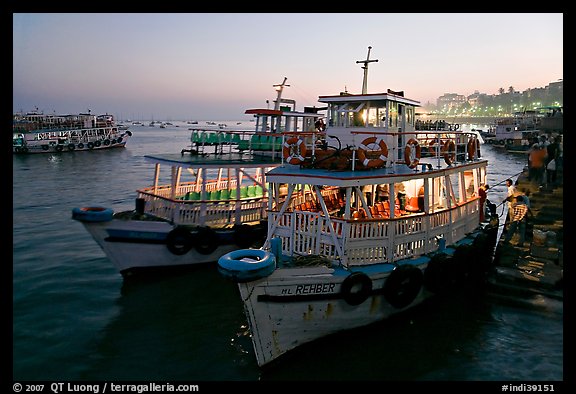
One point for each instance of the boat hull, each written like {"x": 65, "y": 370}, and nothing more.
{"x": 47, "y": 148}
{"x": 295, "y": 306}
{"x": 136, "y": 245}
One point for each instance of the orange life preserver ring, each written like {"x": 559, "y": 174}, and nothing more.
{"x": 449, "y": 151}
{"x": 432, "y": 147}
{"x": 377, "y": 162}
{"x": 473, "y": 148}
{"x": 410, "y": 145}
{"x": 294, "y": 150}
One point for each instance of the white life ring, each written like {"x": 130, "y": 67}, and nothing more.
{"x": 294, "y": 150}
{"x": 449, "y": 152}
{"x": 376, "y": 162}
{"x": 412, "y": 153}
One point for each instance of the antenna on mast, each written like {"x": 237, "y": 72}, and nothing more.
{"x": 279, "y": 88}
{"x": 365, "y": 67}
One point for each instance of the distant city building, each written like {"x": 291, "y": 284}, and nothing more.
{"x": 476, "y": 99}
{"x": 556, "y": 88}
{"x": 505, "y": 101}
{"x": 450, "y": 101}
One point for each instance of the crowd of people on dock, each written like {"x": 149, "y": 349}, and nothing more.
{"x": 545, "y": 158}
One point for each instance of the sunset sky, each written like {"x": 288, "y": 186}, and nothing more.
{"x": 210, "y": 66}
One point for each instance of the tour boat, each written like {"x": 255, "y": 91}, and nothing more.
{"x": 516, "y": 133}
{"x": 202, "y": 202}
{"x": 370, "y": 222}
{"x": 35, "y": 132}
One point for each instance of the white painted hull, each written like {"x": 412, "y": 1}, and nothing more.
{"x": 296, "y": 305}
{"x": 278, "y": 327}
{"x": 130, "y": 256}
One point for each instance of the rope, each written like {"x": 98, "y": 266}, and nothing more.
{"x": 499, "y": 183}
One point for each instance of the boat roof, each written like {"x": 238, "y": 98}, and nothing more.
{"x": 274, "y": 112}
{"x": 344, "y": 98}
{"x": 228, "y": 160}
{"x": 394, "y": 174}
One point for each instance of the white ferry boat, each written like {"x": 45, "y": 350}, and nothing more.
{"x": 202, "y": 202}
{"x": 364, "y": 229}
{"x": 35, "y": 132}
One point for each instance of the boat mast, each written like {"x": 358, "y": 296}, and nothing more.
{"x": 279, "y": 88}
{"x": 365, "y": 81}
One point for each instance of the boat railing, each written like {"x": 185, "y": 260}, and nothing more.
{"x": 206, "y": 212}
{"x": 27, "y": 126}
{"x": 301, "y": 144}
{"x": 76, "y": 135}
{"x": 233, "y": 141}
{"x": 253, "y": 142}
{"x": 439, "y": 124}
{"x": 422, "y": 150}
{"x": 184, "y": 189}
{"x": 433, "y": 147}
{"x": 353, "y": 241}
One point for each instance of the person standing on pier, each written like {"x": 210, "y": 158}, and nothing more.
{"x": 510, "y": 196}
{"x": 518, "y": 222}
{"x": 482, "y": 193}
{"x": 551, "y": 165}
{"x": 537, "y": 159}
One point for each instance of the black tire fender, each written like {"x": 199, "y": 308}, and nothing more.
{"x": 439, "y": 275}
{"x": 179, "y": 241}
{"x": 403, "y": 285}
{"x": 356, "y": 288}
{"x": 205, "y": 240}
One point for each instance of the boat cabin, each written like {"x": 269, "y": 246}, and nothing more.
{"x": 388, "y": 184}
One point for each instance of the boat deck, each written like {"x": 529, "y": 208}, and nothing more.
{"x": 215, "y": 161}
{"x": 351, "y": 177}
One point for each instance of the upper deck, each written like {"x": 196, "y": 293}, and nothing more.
{"x": 228, "y": 160}
{"x": 396, "y": 173}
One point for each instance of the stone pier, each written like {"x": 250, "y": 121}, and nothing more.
{"x": 537, "y": 267}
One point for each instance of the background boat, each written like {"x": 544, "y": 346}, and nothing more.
{"x": 35, "y": 132}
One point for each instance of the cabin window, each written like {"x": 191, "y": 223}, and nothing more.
{"x": 393, "y": 115}
{"x": 410, "y": 116}
{"x": 469, "y": 185}
{"x": 357, "y": 119}
{"x": 377, "y": 116}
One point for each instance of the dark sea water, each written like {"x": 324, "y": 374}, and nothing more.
{"x": 76, "y": 318}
